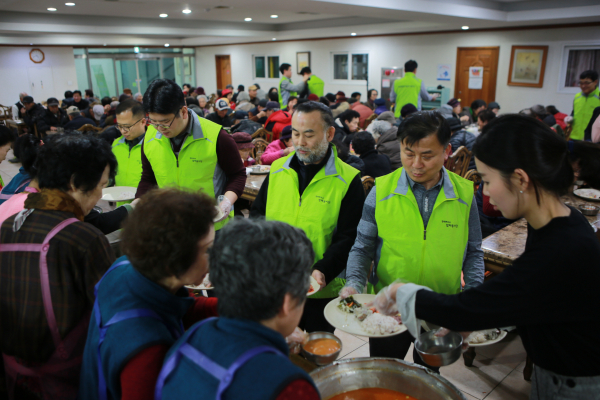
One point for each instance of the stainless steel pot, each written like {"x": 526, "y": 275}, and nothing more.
{"x": 388, "y": 373}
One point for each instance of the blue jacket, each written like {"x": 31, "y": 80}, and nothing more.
{"x": 122, "y": 289}
{"x": 223, "y": 340}
{"x": 14, "y": 186}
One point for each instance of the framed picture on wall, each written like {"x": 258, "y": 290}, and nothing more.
{"x": 302, "y": 59}
{"x": 527, "y": 66}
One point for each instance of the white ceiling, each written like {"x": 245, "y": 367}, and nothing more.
{"x": 137, "y": 22}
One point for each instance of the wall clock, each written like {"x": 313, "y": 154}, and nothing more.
{"x": 37, "y": 56}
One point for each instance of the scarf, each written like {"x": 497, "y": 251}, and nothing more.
{"x": 48, "y": 199}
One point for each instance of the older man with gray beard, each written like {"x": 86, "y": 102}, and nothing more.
{"x": 314, "y": 190}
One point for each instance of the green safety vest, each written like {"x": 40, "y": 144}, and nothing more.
{"x": 281, "y": 104}
{"x": 432, "y": 257}
{"x": 196, "y": 168}
{"x": 316, "y": 85}
{"x": 317, "y": 211}
{"x": 129, "y": 169}
{"x": 583, "y": 108}
{"x": 407, "y": 91}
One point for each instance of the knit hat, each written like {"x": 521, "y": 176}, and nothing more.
{"x": 387, "y": 116}
{"x": 272, "y": 105}
{"x": 453, "y": 103}
{"x": 243, "y": 96}
{"x": 379, "y": 102}
{"x": 408, "y": 109}
{"x": 454, "y": 123}
{"x": 243, "y": 140}
{"x": 221, "y": 105}
{"x": 340, "y": 93}
{"x": 286, "y": 133}
{"x": 313, "y": 97}
{"x": 98, "y": 111}
{"x": 73, "y": 110}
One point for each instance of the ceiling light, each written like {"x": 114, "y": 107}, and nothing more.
{"x": 464, "y": 27}
{"x": 163, "y": 15}
{"x": 69, "y": 4}
{"x": 167, "y": 44}
{"x": 274, "y": 39}
{"x": 274, "y": 16}
{"x": 247, "y": 19}
{"x": 353, "y": 34}
{"x": 104, "y": 44}
{"x": 187, "y": 11}
{"x": 51, "y": 9}
{"x": 136, "y": 49}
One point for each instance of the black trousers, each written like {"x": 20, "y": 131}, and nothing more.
{"x": 396, "y": 347}
{"x": 313, "y": 319}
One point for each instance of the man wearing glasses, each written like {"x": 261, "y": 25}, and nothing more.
{"x": 183, "y": 150}
{"x": 131, "y": 122}
{"x": 584, "y": 103}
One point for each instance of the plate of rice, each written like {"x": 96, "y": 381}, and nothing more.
{"x": 119, "y": 193}
{"x": 587, "y": 194}
{"x": 351, "y": 316}
{"x": 476, "y": 338}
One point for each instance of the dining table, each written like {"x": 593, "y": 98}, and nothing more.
{"x": 17, "y": 124}
{"x": 253, "y": 184}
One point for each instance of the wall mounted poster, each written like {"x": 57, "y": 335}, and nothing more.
{"x": 302, "y": 60}
{"x": 475, "y": 77}
{"x": 527, "y": 66}
{"x": 443, "y": 72}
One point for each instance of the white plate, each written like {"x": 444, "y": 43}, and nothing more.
{"x": 201, "y": 286}
{"x": 119, "y": 193}
{"x": 314, "y": 286}
{"x": 219, "y": 214}
{"x": 429, "y": 326}
{"x": 264, "y": 169}
{"x": 587, "y": 194}
{"x": 348, "y": 322}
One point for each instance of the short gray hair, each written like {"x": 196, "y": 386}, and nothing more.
{"x": 324, "y": 111}
{"x": 378, "y": 128}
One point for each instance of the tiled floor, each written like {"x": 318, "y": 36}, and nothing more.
{"x": 496, "y": 374}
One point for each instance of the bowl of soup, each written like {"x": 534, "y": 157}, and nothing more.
{"x": 438, "y": 351}
{"x": 381, "y": 379}
{"x": 322, "y": 348}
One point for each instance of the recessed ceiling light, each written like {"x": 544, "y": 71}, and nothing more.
{"x": 51, "y": 9}
{"x": 464, "y": 27}
{"x": 353, "y": 34}
{"x": 163, "y": 15}
{"x": 187, "y": 11}
{"x": 167, "y": 44}
{"x": 274, "y": 16}
{"x": 69, "y": 4}
{"x": 247, "y": 19}
{"x": 274, "y": 39}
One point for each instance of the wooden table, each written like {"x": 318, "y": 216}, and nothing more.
{"x": 253, "y": 184}
{"x": 18, "y": 125}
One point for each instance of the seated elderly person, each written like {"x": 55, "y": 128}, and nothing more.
{"x": 76, "y": 120}
{"x": 386, "y": 137}
{"x": 203, "y": 103}
{"x": 53, "y": 118}
{"x": 461, "y": 137}
{"x": 260, "y": 270}
{"x": 376, "y": 164}
{"x": 221, "y": 114}
{"x": 193, "y": 104}
{"x": 278, "y": 148}
{"x": 45, "y": 321}
{"x": 142, "y": 306}
{"x": 243, "y": 102}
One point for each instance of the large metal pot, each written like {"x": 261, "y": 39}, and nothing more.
{"x": 388, "y": 373}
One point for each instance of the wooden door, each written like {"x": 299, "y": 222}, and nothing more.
{"x": 223, "y": 71}
{"x": 486, "y": 57}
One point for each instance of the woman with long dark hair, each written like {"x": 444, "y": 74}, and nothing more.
{"x": 550, "y": 292}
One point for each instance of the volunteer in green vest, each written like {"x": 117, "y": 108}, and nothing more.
{"x": 131, "y": 122}
{"x": 584, "y": 103}
{"x": 286, "y": 87}
{"x": 313, "y": 189}
{"x": 419, "y": 223}
{"x": 409, "y": 89}
{"x": 183, "y": 150}
{"x": 314, "y": 83}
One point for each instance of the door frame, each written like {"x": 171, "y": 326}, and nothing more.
{"x": 457, "y": 72}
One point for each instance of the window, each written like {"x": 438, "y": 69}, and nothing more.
{"x": 575, "y": 60}
{"x": 266, "y": 66}
{"x": 357, "y": 71}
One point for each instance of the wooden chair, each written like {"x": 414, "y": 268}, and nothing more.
{"x": 459, "y": 161}
{"x": 259, "y": 148}
{"x": 5, "y": 113}
{"x": 90, "y": 127}
{"x": 370, "y": 119}
{"x": 264, "y": 134}
{"x": 368, "y": 183}
{"x": 474, "y": 176}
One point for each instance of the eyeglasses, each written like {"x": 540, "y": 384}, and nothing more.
{"x": 162, "y": 126}
{"x": 585, "y": 83}
{"x": 126, "y": 129}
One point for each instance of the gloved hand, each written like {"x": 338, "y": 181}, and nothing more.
{"x": 347, "y": 291}
{"x": 296, "y": 340}
{"x": 319, "y": 277}
{"x": 225, "y": 206}
{"x": 444, "y": 331}
{"x": 384, "y": 302}
{"x": 568, "y": 119}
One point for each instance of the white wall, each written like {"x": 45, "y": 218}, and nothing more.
{"x": 429, "y": 51}
{"x": 15, "y": 71}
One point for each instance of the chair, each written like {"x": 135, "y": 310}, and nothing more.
{"x": 90, "y": 127}
{"x": 264, "y": 134}
{"x": 368, "y": 183}
{"x": 474, "y": 176}
{"x": 259, "y": 148}
{"x": 5, "y": 113}
{"x": 459, "y": 161}
{"x": 370, "y": 119}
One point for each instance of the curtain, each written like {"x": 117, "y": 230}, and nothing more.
{"x": 579, "y": 61}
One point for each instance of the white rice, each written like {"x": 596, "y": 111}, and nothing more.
{"x": 478, "y": 337}
{"x": 377, "y": 324}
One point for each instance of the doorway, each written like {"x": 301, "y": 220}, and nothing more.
{"x": 223, "y": 71}
{"x": 486, "y": 57}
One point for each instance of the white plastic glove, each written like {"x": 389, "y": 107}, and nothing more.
{"x": 568, "y": 119}
{"x": 347, "y": 291}
{"x": 384, "y": 302}
{"x": 296, "y": 340}
{"x": 319, "y": 277}
{"x": 225, "y": 206}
